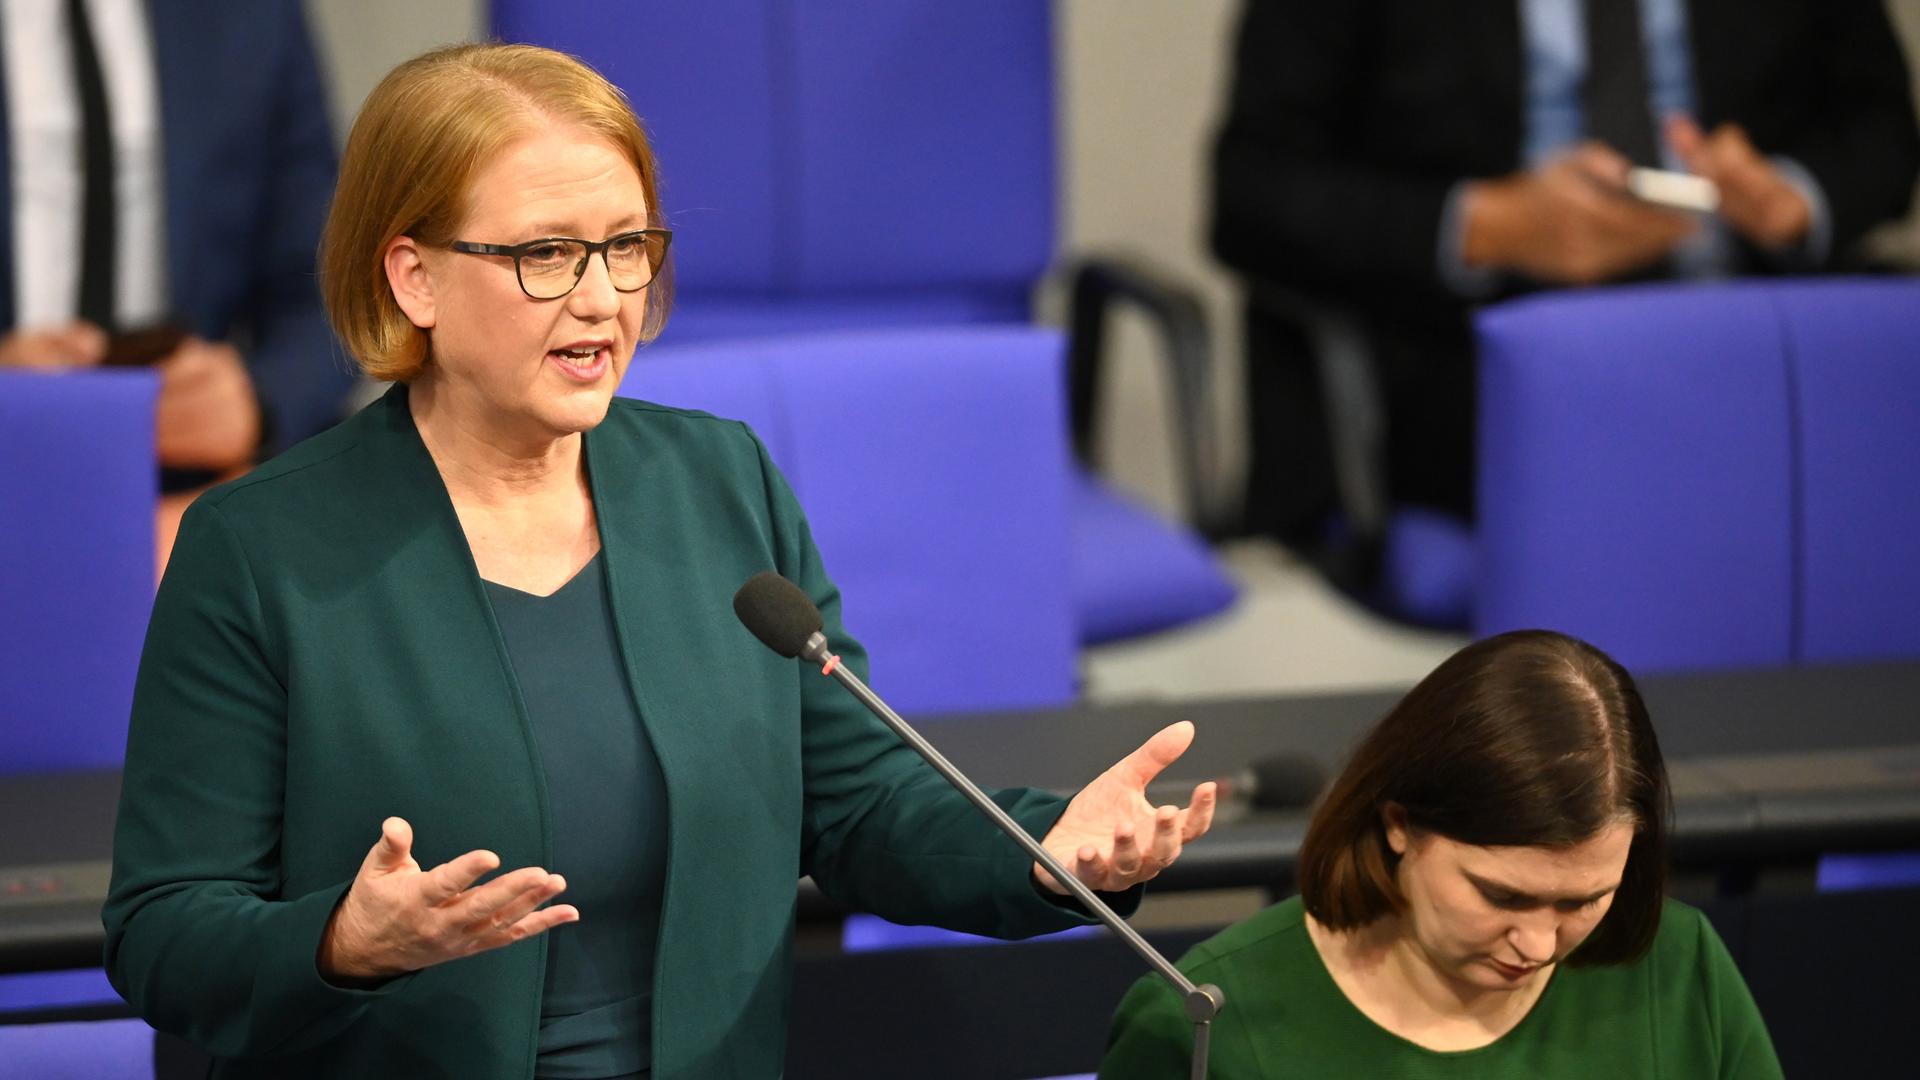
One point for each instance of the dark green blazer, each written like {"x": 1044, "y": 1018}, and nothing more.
{"x": 322, "y": 655}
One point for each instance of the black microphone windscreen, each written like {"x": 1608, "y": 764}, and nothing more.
{"x": 1286, "y": 781}
{"x": 778, "y": 612}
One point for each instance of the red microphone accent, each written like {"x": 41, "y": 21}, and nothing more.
{"x": 833, "y": 661}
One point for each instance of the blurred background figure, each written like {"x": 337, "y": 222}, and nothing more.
{"x": 168, "y": 166}
{"x": 1384, "y": 168}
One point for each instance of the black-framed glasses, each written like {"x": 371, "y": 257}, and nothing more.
{"x": 551, "y": 266}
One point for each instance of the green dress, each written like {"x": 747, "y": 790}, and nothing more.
{"x": 322, "y": 655}
{"x": 609, "y": 839}
{"x": 1681, "y": 1012}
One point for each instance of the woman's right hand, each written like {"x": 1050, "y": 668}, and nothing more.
{"x": 397, "y": 918}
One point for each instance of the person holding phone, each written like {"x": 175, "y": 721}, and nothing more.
{"x": 1385, "y": 168}
{"x": 168, "y": 164}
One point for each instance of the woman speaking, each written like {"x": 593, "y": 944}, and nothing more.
{"x": 485, "y": 624}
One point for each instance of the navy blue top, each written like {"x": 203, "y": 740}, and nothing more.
{"x": 609, "y": 809}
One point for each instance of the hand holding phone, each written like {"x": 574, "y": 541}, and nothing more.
{"x": 1570, "y": 220}
{"x": 1674, "y": 190}
{"x": 143, "y": 347}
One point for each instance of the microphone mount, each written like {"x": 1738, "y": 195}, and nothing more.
{"x": 1203, "y": 1002}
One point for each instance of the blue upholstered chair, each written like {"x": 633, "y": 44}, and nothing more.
{"x": 1705, "y": 476}
{"x": 834, "y": 165}
{"x": 1577, "y": 378}
{"x": 936, "y": 479}
{"x": 29, "y": 996}
{"x": 890, "y": 165}
{"x": 1616, "y": 426}
{"x": 1635, "y": 474}
{"x": 77, "y": 1050}
{"x": 1708, "y": 476}
{"x": 1852, "y": 347}
{"x": 77, "y": 492}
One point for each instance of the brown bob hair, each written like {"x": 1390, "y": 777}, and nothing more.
{"x": 411, "y": 158}
{"x": 1530, "y": 738}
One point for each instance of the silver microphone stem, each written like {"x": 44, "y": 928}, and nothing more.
{"x": 1203, "y": 1002}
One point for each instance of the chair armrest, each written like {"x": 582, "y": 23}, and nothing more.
{"x": 1097, "y": 284}
{"x": 1356, "y": 410}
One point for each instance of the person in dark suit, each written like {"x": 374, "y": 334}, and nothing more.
{"x": 1386, "y": 166}
{"x": 169, "y": 162}
{"x": 485, "y": 623}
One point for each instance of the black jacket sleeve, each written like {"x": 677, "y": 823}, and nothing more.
{"x": 1864, "y": 145}
{"x": 1296, "y": 202}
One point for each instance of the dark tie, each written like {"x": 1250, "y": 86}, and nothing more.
{"x": 1617, "y": 97}
{"x": 97, "y": 203}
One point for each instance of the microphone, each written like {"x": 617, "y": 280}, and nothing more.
{"x": 781, "y": 615}
{"x": 778, "y": 612}
{"x": 1279, "y": 782}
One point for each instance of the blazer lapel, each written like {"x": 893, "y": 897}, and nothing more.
{"x": 412, "y": 538}
{"x": 410, "y": 503}
{"x": 670, "y": 585}
{"x": 619, "y": 490}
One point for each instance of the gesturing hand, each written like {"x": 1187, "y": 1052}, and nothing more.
{"x": 1111, "y": 837}
{"x": 397, "y": 918}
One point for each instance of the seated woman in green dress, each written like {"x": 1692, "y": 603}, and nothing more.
{"x": 1482, "y": 895}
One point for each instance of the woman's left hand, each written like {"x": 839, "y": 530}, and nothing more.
{"x": 1111, "y": 837}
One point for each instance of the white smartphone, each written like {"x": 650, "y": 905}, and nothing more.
{"x": 1674, "y": 190}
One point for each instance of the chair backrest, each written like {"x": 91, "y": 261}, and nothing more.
{"x": 1855, "y": 350}
{"x": 934, "y": 470}
{"x": 834, "y": 152}
{"x": 93, "y": 1049}
{"x": 1704, "y": 476}
{"x": 77, "y": 494}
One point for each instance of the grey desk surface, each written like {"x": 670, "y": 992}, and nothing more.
{"x": 1767, "y": 765}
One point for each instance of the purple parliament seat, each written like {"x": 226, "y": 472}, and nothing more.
{"x": 1427, "y": 568}
{"x": 77, "y": 1050}
{"x": 934, "y": 471}
{"x": 853, "y": 169}
{"x": 878, "y": 165}
{"x": 1708, "y": 476}
{"x": 1132, "y": 575}
{"x": 1705, "y": 475}
{"x": 77, "y": 494}
{"x": 1855, "y": 349}
{"x": 1636, "y": 473}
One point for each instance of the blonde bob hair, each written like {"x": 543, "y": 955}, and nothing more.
{"x": 411, "y": 158}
